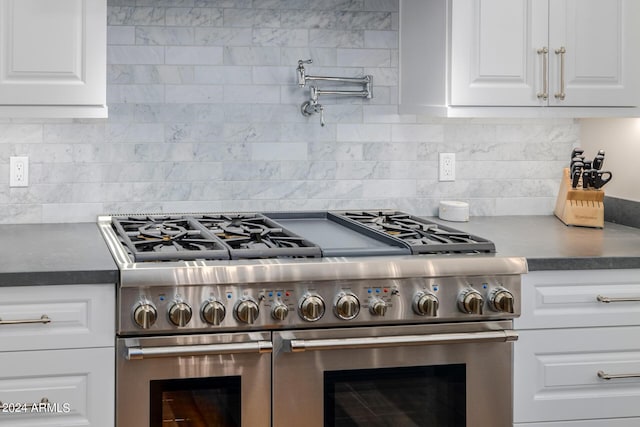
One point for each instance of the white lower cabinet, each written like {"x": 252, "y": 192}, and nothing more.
{"x": 57, "y": 388}
{"x": 570, "y": 342}
{"x": 57, "y": 356}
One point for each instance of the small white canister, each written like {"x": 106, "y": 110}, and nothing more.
{"x": 454, "y": 211}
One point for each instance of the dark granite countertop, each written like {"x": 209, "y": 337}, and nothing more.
{"x": 548, "y": 244}
{"x": 54, "y": 254}
{"x": 51, "y": 254}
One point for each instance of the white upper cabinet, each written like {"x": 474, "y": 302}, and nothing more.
{"x": 494, "y": 45}
{"x": 545, "y": 52}
{"x": 527, "y": 53}
{"x": 602, "y": 58}
{"x": 53, "y": 58}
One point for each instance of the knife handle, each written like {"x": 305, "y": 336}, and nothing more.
{"x": 598, "y": 161}
{"x": 600, "y": 180}
{"x": 575, "y": 175}
{"x": 577, "y": 152}
{"x": 586, "y": 179}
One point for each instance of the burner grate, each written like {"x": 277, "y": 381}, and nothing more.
{"x": 256, "y": 236}
{"x": 209, "y": 237}
{"x": 424, "y": 237}
{"x": 167, "y": 238}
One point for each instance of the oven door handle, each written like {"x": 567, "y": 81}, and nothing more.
{"x": 139, "y": 353}
{"x": 296, "y": 346}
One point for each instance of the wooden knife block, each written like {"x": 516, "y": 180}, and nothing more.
{"x": 577, "y": 206}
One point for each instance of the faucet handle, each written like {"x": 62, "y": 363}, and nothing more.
{"x": 321, "y": 107}
{"x": 302, "y": 78}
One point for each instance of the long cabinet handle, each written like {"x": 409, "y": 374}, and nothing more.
{"x": 28, "y": 405}
{"x": 295, "y": 346}
{"x": 561, "y": 95}
{"x": 43, "y": 319}
{"x": 607, "y": 300}
{"x": 545, "y": 74}
{"x": 606, "y": 376}
{"x": 139, "y": 353}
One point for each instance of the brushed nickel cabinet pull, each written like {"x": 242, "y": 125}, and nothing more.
{"x": 43, "y": 400}
{"x": 43, "y": 319}
{"x": 605, "y": 376}
{"x": 545, "y": 74}
{"x": 607, "y": 300}
{"x": 561, "y": 95}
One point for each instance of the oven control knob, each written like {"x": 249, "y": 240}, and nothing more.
{"x": 425, "y": 304}
{"x": 501, "y": 300}
{"x": 213, "y": 312}
{"x": 378, "y": 307}
{"x": 145, "y": 315}
{"x": 470, "y": 301}
{"x": 279, "y": 311}
{"x": 247, "y": 311}
{"x": 347, "y": 306}
{"x": 312, "y": 308}
{"x": 180, "y": 313}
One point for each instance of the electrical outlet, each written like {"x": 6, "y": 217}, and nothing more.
{"x": 447, "y": 170}
{"x": 19, "y": 171}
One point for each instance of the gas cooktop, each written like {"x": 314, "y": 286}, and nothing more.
{"x": 182, "y": 273}
{"x": 232, "y": 236}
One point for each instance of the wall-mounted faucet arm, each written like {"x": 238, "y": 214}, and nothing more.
{"x": 354, "y": 80}
{"x": 312, "y": 106}
{"x": 360, "y": 93}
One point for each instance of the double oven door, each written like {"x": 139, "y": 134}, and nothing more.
{"x": 215, "y": 380}
{"x": 449, "y": 375}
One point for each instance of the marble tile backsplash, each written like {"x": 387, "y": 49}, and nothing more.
{"x": 204, "y": 115}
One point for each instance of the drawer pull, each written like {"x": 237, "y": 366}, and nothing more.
{"x": 606, "y": 376}
{"x": 43, "y": 400}
{"x": 43, "y": 319}
{"x": 607, "y": 300}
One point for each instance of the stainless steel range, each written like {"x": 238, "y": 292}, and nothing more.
{"x": 351, "y": 318}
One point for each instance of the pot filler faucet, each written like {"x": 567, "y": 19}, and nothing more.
{"x": 312, "y": 106}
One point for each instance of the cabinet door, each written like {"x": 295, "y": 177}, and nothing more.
{"x": 601, "y": 63}
{"x": 52, "y": 52}
{"x": 57, "y": 388}
{"x": 556, "y": 374}
{"x": 64, "y": 316}
{"x": 570, "y": 299}
{"x": 494, "y": 45}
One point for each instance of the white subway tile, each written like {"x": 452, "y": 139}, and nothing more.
{"x": 364, "y": 132}
{"x": 269, "y": 151}
{"x": 198, "y": 55}
{"x": 135, "y": 54}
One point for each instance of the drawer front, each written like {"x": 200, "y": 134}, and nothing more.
{"x": 556, "y": 374}
{"x": 78, "y": 316}
{"x": 57, "y": 388}
{"x": 568, "y": 299}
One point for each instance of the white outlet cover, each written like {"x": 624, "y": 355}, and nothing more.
{"x": 19, "y": 171}
{"x": 447, "y": 166}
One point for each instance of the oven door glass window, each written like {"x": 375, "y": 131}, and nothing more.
{"x": 197, "y": 402}
{"x": 396, "y": 397}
